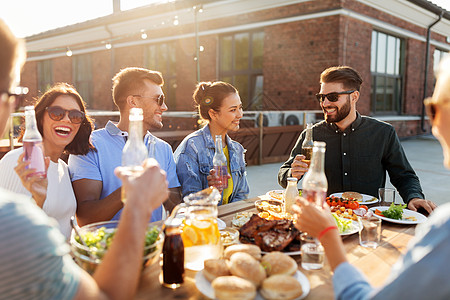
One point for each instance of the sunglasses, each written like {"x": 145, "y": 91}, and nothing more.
{"x": 332, "y": 97}
{"x": 159, "y": 99}
{"x": 57, "y": 113}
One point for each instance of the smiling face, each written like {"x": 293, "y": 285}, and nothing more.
{"x": 335, "y": 112}
{"x": 229, "y": 115}
{"x": 152, "y": 111}
{"x": 58, "y": 134}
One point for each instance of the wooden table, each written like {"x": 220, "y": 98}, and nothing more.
{"x": 374, "y": 263}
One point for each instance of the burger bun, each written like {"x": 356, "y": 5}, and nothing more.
{"x": 278, "y": 263}
{"x": 233, "y": 288}
{"x": 281, "y": 287}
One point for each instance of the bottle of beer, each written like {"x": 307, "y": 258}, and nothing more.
{"x": 173, "y": 254}
{"x": 315, "y": 184}
{"x": 134, "y": 152}
{"x": 32, "y": 143}
{"x": 290, "y": 194}
{"x": 307, "y": 145}
{"x": 220, "y": 164}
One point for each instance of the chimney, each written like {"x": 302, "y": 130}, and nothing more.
{"x": 116, "y": 6}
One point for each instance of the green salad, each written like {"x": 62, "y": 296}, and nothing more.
{"x": 342, "y": 223}
{"x": 394, "y": 212}
{"x": 99, "y": 240}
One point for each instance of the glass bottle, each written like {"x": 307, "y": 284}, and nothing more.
{"x": 290, "y": 194}
{"x": 134, "y": 152}
{"x": 307, "y": 145}
{"x": 32, "y": 143}
{"x": 220, "y": 164}
{"x": 173, "y": 254}
{"x": 315, "y": 184}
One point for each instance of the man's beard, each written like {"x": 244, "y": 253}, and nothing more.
{"x": 341, "y": 113}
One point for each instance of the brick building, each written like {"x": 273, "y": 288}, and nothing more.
{"x": 272, "y": 51}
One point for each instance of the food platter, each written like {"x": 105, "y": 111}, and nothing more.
{"x": 367, "y": 199}
{"x": 356, "y": 227}
{"x": 276, "y": 195}
{"x": 419, "y": 218}
{"x": 204, "y": 286}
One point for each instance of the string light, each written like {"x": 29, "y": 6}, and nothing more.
{"x": 175, "y": 21}
{"x": 69, "y": 52}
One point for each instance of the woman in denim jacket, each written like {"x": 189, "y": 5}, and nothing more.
{"x": 220, "y": 107}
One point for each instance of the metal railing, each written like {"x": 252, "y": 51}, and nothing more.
{"x": 256, "y": 116}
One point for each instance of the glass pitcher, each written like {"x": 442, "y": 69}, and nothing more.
{"x": 200, "y": 232}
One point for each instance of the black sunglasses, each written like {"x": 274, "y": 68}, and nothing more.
{"x": 430, "y": 108}
{"x": 57, "y": 113}
{"x": 159, "y": 99}
{"x": 332, "y": 97}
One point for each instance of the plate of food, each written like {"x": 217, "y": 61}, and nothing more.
{"x": 361, "y": 198}
{"x": 205, "y": 287}
{"x": 271, "y": 235}
{"x": 346, "y": 226}
{"x": 398, "y": 214}
{"x": 276, "y": 195}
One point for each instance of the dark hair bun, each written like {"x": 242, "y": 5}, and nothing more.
{"x": 200, "y": 92}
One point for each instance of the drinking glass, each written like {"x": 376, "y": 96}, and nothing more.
{"x": 370, "y": 234}
{"x": 387, "y": 196}
{"x": 312, "y": 251}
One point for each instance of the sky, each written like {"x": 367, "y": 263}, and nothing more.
{"x": 28, "y": 17}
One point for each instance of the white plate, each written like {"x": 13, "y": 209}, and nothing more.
{"x": 204, "y": 286}
{"x": 356, "y": 227}
{"x": 406, "y": 213}
{"x": 367, "y": 199}
{"x": 280, "y": 192}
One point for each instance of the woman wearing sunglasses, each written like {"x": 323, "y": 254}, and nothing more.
{"x": 220, "y": 108}
{"x": 65, "y": 129}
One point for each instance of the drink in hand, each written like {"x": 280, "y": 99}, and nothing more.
{"x": 220, "y": 165}
{"x": 32, "y": 144}
{"x": 307, "y": 145}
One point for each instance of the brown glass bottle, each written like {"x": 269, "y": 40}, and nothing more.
{"x": 173, "y": 257}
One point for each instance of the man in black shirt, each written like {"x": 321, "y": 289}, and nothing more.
{"x": 360, "y": 149}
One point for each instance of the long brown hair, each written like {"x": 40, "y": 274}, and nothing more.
{"x": 81, "y": 143}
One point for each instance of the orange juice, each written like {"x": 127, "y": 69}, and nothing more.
{"x": 201, "y": 239}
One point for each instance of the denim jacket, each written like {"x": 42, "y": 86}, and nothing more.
{"x": 194, "y": 160}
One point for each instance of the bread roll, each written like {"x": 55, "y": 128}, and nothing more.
{"x": 352, "y": 196}
{"x": 278, "y": 263}
{"x": 233, "y": 288}
{"x": 281, "y": 287}
{"x": 215, "y": 268}
{"x": 246, "y": 266}
{"x": 253, "y": 250}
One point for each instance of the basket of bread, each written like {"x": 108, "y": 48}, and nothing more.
{"x": 244, "y": 273}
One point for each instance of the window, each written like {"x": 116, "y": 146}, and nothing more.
{"x": 386, "y": 68}
{"x": 45, "y": 75}
{"x": 241, "y": 64}
{"x": 438, "y": 55}
{"x": 162, "y": 58}
{"x": 82, "y": 74}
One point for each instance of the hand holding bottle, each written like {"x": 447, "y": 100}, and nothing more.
{"x": 299, "y": 167}
{"x": 216, "y": 181}
{"x": 31, "y": 180}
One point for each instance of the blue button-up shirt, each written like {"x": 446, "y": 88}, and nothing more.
{"x": 194, "y": 160}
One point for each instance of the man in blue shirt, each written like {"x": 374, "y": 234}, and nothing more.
{"x": 97, "y": 189}
{"x": 35, "y": 261}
